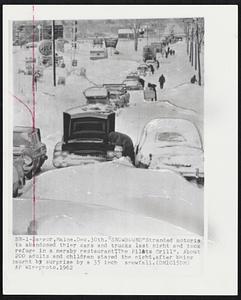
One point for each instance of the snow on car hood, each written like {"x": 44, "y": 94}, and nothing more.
{"x": 162, "y": 195}
{"x": 174, "y": 156}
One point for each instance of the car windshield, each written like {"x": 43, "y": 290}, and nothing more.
{"x": 21, "y": 138}
{"x": 80, "y": 126}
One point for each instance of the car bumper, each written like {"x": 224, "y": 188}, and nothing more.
{"x": 76, "y": 160}
{"x": 191, "y": 174}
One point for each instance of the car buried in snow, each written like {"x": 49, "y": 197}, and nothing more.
{"x": 173, "y": 144}
{"x": 97, "y": 94}
{"x": 142, "y": 69}
{"x": 118, "y": 95}
{"x": 86, "y": 136}
{"x": 133, "y": 84}
{"x": 27, "y": 143}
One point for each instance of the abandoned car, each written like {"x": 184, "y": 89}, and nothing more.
{"x": 171, "y": 144}
{"x": 27, "y": 143}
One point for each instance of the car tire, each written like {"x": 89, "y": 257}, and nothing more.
{"x": 29, "y": 175}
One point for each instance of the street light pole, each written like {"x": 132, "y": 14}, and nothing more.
{"x": 53, "y": 53}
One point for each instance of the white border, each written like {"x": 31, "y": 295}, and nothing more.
{"x": 220, "y": 140}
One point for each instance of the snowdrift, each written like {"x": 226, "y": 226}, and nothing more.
{"x": 161, "y": 195}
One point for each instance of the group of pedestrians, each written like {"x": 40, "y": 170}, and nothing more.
{"x": 168, "y": 51}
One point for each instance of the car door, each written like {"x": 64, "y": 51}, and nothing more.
{"x": 36, "y": 149}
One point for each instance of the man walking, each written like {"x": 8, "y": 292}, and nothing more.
{"x": 157, "y": 64}
{"x": 152, "y": 87}
{"x": 162, "y": 81}
{"x": 142, "y": 81}
{"x": 152, "y": 69}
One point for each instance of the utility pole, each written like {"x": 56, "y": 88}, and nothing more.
{"x": 136, "y": 37}
{"x": 187, "y": 37}
{"x": 191, "y": 47}
{"x": 199, "y": 43}
{"x": 195, "y": 41}
{"x": 147, "y": 34}
{"x": 53, "y": 53}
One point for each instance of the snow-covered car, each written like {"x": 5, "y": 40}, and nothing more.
{"x": 30, "y": 60}
{"x": 151, "y": 62}
{"x": 31, "y": 45}
{"x": 118, "y": 94}
{"x": 133, "y": 84}
{"x": 98, "y": 53}
{"x": 27, "y": 143}
{"x": 18, "y": 174}
{"x": 142, "y": 69}
{"x": 174, "y": 144}
{"x": 85, "y": 136}
{"x": 97, "y": 94}
{"x": 111, "y": 198}
{"x": 133, "y": 75}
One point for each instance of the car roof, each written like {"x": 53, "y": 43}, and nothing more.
{"x": 176, "y": 124}
{"x": 27, "y": 129}
{"x": 94, "y": 110}
{"x": 96, "y": 91}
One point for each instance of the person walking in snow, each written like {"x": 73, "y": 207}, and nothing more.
{"x": 142, "y": 81}
{"x": 193, "y": 79}
{"x": 152, "y": 69}
{"x": 152, "y": 86}
{"x": 162, "y": 81}
{"x": 157, "y": 64}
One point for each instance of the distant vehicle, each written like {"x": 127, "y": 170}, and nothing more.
{"x": 31, "y": 45}
{"x": 149, "y": 52}
{"x": 85, "y": 138}
{"x": 133, "y": 76}
{"x": 118, "y": 94}
{"x": 29, "y": 67}
{"x": 116, "y": 52}
{"x": 157, "y": 46}
{"x": 178, "y": 38}
{"x": 151, "y": 62}
{"x": 27, "y": 143}
{"x": 142, "y": 69}
{"x": 97, "y": 41}
{"x": 59, "y": 60}
{"x": 30, "y": 60}
{"x": 171, "y": 144}
{"x": 132, "y": 84}
{"x": 18, "y": 175}
{"x": 97, "y": 94}
{"x": 98, "y": 53}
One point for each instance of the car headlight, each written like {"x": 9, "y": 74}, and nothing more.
{"x": 57, "y": 153}
{"x": 65, "y": 153}
{"x": 27, "y": 160}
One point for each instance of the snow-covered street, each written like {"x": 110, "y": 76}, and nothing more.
{"x": 178, "y": 99}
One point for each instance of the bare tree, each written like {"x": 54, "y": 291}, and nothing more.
{"x": 199, "y": 38}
